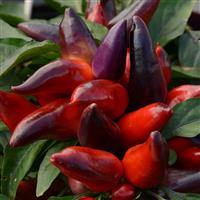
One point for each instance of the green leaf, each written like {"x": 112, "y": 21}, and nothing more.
{"x": 16, "y": 163}
{"x": 185, "y": 72}
{"x": 60, "y": 5}
{"x": 3, "y": 197}
{"x": 26, "y": 53}
{"x": 172, "y": 157}
{"x": 47, "y": 172}
{"x": 170, "y": 19}
{"x": 13, "y": 13}
{"x": 185, "y": 121}
{"x": 181, "y": 196}
{"x": 61, "y": 198}
{"x": 189, "y": 49}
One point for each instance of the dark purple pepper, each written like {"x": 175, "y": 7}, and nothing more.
{"x": 109, "y": 60}
{"x": 98, "y": 131}
{"x": 40, "y": 31}
{"x": 75, "y": 39}
{"x": 147, "y": 84}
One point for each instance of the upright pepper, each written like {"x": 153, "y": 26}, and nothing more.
{"x": 13, "y": 108}
{"x": 110, "y": 96}
{"x": 109, "y": 60}
{"x": 137, "y": 125}
{"x": 97, "y": 131}
{"x": 40, "y": 31}
{"x": 146, "y": 83}
{"x": 100, "y": 11}
{"x": 57, "y": 120}
{"x": 145, "y": 164}
{"x": 182, "y": 93}
{"x": 144, "y": 9}
{"x": 164, "y": 63}
{"x": 56, "y": 79}
{"x": 75, "y": 39}
{"x": 98, "y": 170}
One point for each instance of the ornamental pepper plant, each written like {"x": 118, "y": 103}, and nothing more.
{"x": 101, "y": 102}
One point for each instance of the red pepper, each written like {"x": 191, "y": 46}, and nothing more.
{"x": 76, "y": 186}
{"x": 13, "y": 108}
{"x": 124, "y": 191}
{"x": 137, "y": 126}
{"x": 58, "y": 120}
{"x": 110, "y": 96}
{"x": 56, "y": 79}
{"x": 87, "y": 198}
{"x": 182, "y": 93}
{"x": 145, "y": 164}
{"x": 97, "y": 131}
{"x": 164, "y": 63}
{"x": 99, "y": 170}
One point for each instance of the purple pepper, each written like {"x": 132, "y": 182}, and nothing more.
{"x": 146, "y": 84}
{"x": 97, "y": 131}
{"x": 75, "y": 39}
{"x": 109, "y": 60}
{"x": 40, "y": 31}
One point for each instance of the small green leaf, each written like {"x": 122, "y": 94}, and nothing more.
{"x": 185, "y": 121}
{"x": 61, "y": 198}
{"x": 3, "y": 197}
{"x": 181, "y": 196}
{"x": 189, "y": 49}
{"x": 16, "y": 163}
{"x": 13, "y": 13}
{"x": 60, "y": 5}
{"x": 170, "y": 19}
{"x": 26, "y": 53}
{"x": 172, "y": 157}
{"x": 47, "y": 172}
{"x": 186, "y": 72}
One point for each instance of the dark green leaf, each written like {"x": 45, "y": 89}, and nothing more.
{"x": 185, "y": 121}
{"x": 47, "y": 172}
{"x": 170, "y": 19}
{"x": 16, "y": 163}
{"x": 172, "y": 157}
{"x": 181, "y": 196}
{"x": 60, "y": 5}
{"x": 61, "y": 198}
{"x": 28, "y": 52}
{"x": 3, "y": 197}
{"x": 13, "y": 13}
{"x": 8, "y": 31}
{"x": 189, "y": 49}
{"x": 185, "y": 72}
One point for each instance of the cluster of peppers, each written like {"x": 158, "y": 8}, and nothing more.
{"x": 113, "y": 99}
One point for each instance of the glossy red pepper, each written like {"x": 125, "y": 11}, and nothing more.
{"x": 57, "y": 120}
{"x": 146, "y": 84}
{"x": 97, "y": 131}
{"x": 13, "y": 108}
{"x": 164, "y": 63}
{"x": 182, "y": 93}
{"x": 100, "y": 11}
{"x": 56, "y": 79}
{"x": 137, "y": 125}
{"x": 145, "y": 164}
{"x": 124, "y": 191}
{"x": 87, "y": 198}
{"x": 144, "y": 9}
{"x": 76, "y": 186}
{"x": 110, "y": 96}
{"x": 98, "y": 170}
{"x": 75, "y": 39}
